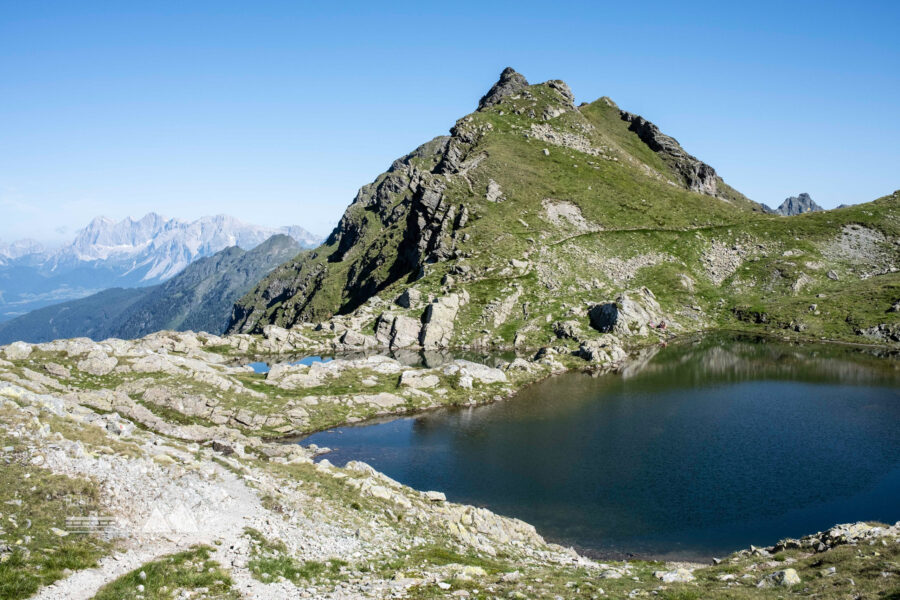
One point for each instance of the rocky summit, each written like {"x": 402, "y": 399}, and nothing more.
{"x": 797, "y": 205}
{"x": 533, "y": 212}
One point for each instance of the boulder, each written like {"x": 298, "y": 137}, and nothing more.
{"x": 419, "y": 379}
{"x": 592, "y": 350}
{"x": 17, "y": 351}
{"x": 356, "y": 339}
{"x": 410, "y": 298}
{"x": 383, "y": 326}
{"x": 494, "y": 193}
{"x": 57, "y": 370}
{"x": 97, "y": 363}
{"x": 437, "y": 331}
{"x": 435, "y": 496}
{"x": 405, "y": 332}
{"x": 679, "y": 575}
{"x": 474, "y": 372}
{"x": 602, "y": 350}
{"x": 397, "y": 331}
{"x": 631, "y": 314}
{"x": 785, "y": 578}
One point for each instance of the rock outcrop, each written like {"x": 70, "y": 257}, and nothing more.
{"x": 510, "y": 82}
{"x": 698, "y": 176}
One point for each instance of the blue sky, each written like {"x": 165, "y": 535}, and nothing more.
{"x": 277, "y": 112}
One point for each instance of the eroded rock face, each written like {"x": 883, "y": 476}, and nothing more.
{"x": 697, "y": 175}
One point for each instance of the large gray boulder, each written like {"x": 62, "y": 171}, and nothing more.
{"x": 439, "y": 318}
{"x": 632, "y": 313}
{"x": 405, "y": 332}
{"x": 604, "y": 316}
{"x": 410, "y": 298}
{"x": 397, "y": 331}
{"x": 785, "y": 578}
{"x": 17, "y": 351}
{"x": 355, "y": 339}
{"x": 97, "y": 362}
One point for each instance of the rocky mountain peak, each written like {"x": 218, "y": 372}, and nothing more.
{"x": 430, "y": 212}
{"x": 509, "y": 83}
{"x": 796, "y": 205}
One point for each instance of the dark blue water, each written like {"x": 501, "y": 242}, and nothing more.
{"x": 708, "y": 448}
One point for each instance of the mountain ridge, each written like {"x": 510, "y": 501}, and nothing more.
{"x": 532, "y": 211}
{"x": 199, "y": 298}
{"x": 127, "y": 253}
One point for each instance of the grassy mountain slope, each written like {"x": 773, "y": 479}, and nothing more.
{"x": 199, "y": 298}
{"x": 535, "y": 209}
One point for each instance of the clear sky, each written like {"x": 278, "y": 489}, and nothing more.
{"x": 276, "y": 112}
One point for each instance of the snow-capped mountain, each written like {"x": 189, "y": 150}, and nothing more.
{"x": 126, "y": 253}
{"x": 20, "y": 249}
{"x": 160, "y": 247}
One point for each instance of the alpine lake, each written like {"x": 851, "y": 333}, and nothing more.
{"x": 693, "y": 450}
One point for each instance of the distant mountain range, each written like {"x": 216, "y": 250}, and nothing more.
{"x": 124, "y": 254}
{"x": 199, "y": 298}
{"x": 796, "y": 205}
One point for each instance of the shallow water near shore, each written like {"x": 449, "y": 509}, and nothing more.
{"x": 694, "y": 451}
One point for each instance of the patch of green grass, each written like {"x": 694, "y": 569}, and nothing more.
{"x": 222, "y": 349}
{"x": 33, "y": 502}
{"x": 271, "y": 561}
{"x": 186, "y": 574}
{"x": 92, "y": 437}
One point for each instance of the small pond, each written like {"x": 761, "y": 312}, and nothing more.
{"x": 699, "y": 449}
{"x": 413, "y": 358}
{"x": 264, "y": 367}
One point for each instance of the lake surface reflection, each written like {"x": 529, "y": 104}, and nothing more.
{"x": 697, "y": 450}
